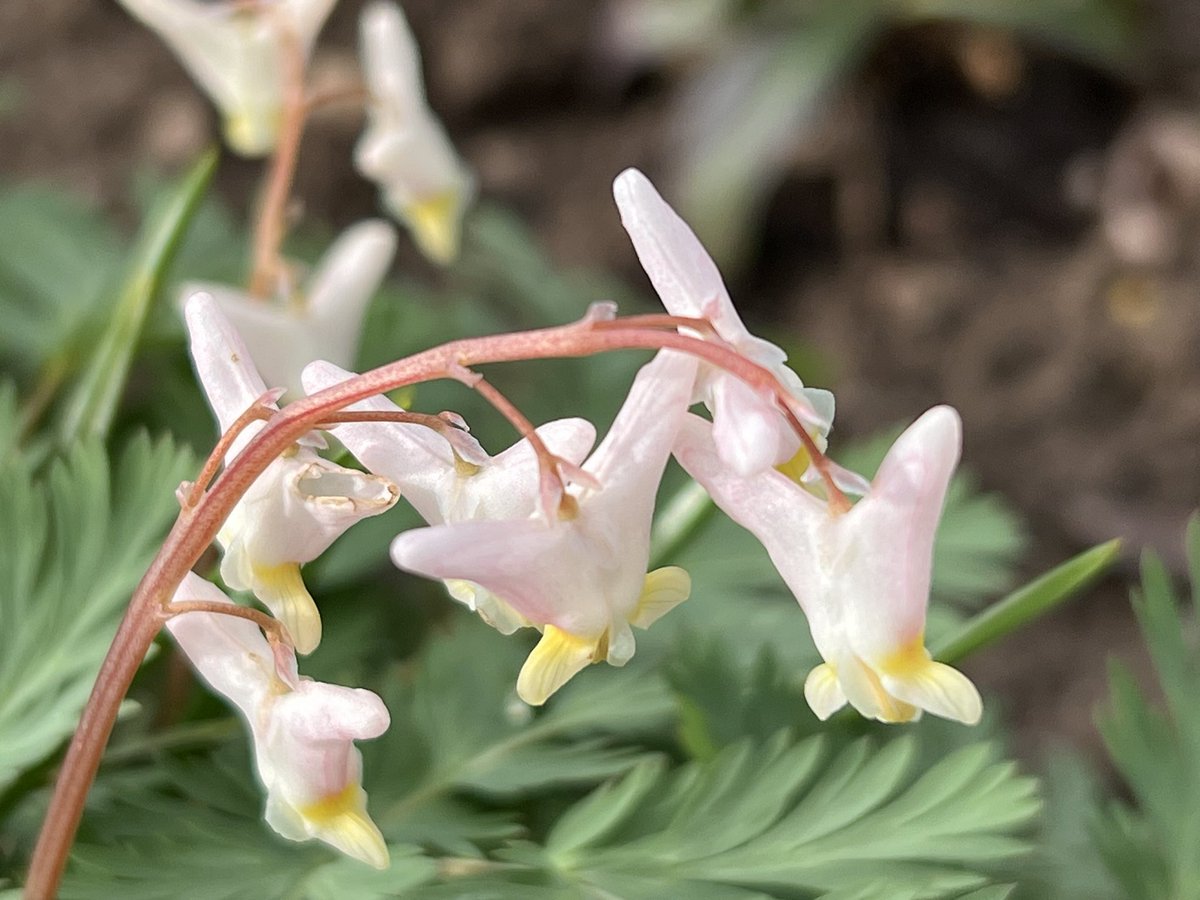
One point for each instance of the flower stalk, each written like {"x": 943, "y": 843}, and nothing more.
{"x": 198, "y": 523}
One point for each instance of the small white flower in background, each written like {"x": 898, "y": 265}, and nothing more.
{"x": 321, "y": 320}
{"x": 750, "y": 432}
{"x": 236, "y": 50}
{"x": 303, "y": 730}
{"x": 455, "y": 483}
{"x": 862, "y": 577}
{"x": 296, "y": 508}
{"x": 582, "y": 578}
{"x": 404, "y": 148}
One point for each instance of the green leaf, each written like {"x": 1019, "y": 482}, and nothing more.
{"x": 786, "y": 819}
{"x": 56, "y": 257}
{"x": 1029, "y": 602}
{"x": 459, "y": 732}
{"x": 82, "y": 535}
{"x": 1152, "y": 846}
{"x": 89, "y": 409}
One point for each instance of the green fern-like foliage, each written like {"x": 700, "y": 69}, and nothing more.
{"x": 79, "y": 535}
{"x": 784, "y": 819}
{"x": 1152, "y": 846}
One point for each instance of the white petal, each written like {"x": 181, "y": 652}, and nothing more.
{"x": 223, "y": 362}
{"x": 344, "y": 282}
{"x": 404, "y": 147}
{"x": 750, "y": 433}
{"x": 229, "y": 653}
{"x": 895, "y": 525}
{"x": 822, "y": 691}
{"x": 681, "y": 270}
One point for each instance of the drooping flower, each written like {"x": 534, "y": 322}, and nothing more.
{"x": 237, "y": 51}
{"x": 404, "y": 148}
{"x": 862, "y": 577}
{"x": 321, "y": 320}
{"x": 750, "y": 432}
{"x": 457, "y": 482}
{"x": 303, "y": 730}
{"x": 580, "y": 578}
{"x": 296, "y": 508}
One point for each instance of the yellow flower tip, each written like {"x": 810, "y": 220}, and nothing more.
{"x": 283, "y": 592}
{"x": 341, "y": 820}
{"x": 250, "y": 135}
{"x": 822, "y": 691}
{"x": 435, "y": 227}
{"x": 556, "y": 659}
{"x": 911, "y": 674}
{"x": 662, "y": 591}
{"x": 795, "y": 467}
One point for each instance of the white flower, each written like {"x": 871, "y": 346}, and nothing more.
{"x": 582, "y": 577}
{"x": 862, "y": 577}
{"x": 322, "y": 320}
{"x": 751, "y": 433}
{"x": 404, "y": 148}
{"x": 296, "y": 508}
{"x": 455, "y": 483}
{"x": 303, "y": 730}
{"x": 236, "y": 50}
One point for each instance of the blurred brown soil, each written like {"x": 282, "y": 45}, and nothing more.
{"x": 1022, "y": 245}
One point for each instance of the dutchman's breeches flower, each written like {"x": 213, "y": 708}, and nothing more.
{"x": 321, "y": 320}
{"x": 750, "y": 432}
{"x": 296, "y": 508}
{"x": 580, "y": 578}
{"x": 455, "y": 482}
{"x": 237, "y": 51}
{"x": 404, "y": 149}
{"x": 303, "y": 730}
{"x": 862, "y": 576}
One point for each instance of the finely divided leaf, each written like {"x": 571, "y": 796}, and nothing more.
{"x": 78, "y": 539}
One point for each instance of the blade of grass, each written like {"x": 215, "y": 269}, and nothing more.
{"x": 89, "y": 409}
{"x": 1029, "y": 602}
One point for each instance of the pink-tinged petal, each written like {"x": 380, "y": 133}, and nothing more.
{"x": 533, "y": 566}
{"x": 785, "y": 518}
{"x": 227, "y": 372}
{"x": 750, "y": 433}
{"x": 508, "y": 488}
{"x": 684, "y": 275}
{"x": 230, "y": 654}
{"x": 638, "y": 444}
{"x": 896, "y": 523}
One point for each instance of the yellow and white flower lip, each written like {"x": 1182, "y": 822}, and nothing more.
{"x": 323, "y": 319}
{"x": 303, "y": 730}
{"x": 862, "y": 577}
{"x": 296, "y": 508}
{"x": 404, "y": 148}
{"x": 581, "y": 578}
{"x": 751, "y": 434}
{"x": 236, "y": 52}
{"x": 455, "y": 483}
